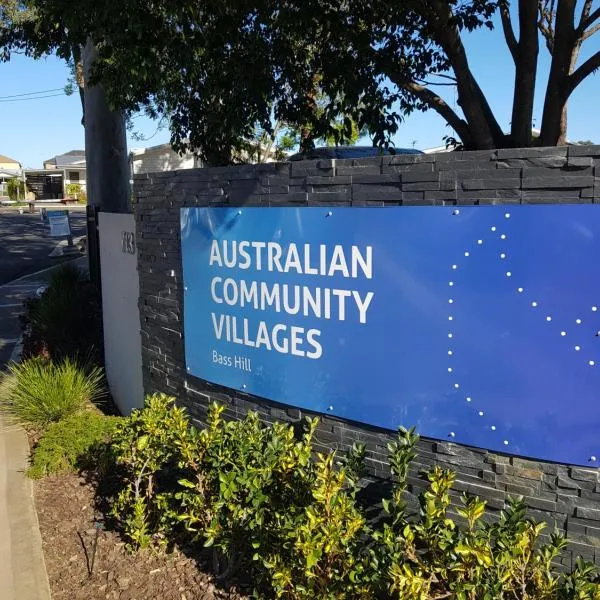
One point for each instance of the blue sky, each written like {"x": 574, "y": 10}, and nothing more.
{"x": 34, "y": 130}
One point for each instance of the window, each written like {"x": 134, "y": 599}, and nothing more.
{"x": 74, "y": 176}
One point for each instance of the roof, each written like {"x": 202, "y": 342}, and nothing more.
{"x": 159, "y": 148}
{"x": 68, "y": 159}
{"x": 350, "y": 152}
{"x": 7, "y": 159}
{"x": 9, "y": 173}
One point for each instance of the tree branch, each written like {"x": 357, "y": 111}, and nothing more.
{"x": 441, "y": 107}
{"x": 585, "y": 11}
{"x": 545, "y": 23}
{"x": 439, "y": 83}
{"x": 509, "y": 32}
{"x": 590, "y": 32}
{"x": 444, "y": 76}
{"x": 585, "y": 69}
{"x": 586, "y": 18}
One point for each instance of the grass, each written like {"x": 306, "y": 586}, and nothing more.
{"x": 39, "y": 392}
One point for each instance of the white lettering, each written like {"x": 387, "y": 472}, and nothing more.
{"x": 318, "y": 349}
{"x": 292, "y": 260}
{"x": 274, "y": 256}
{"x": 219, "y": 327}
{"x": 215, "y": 255}
{"x": 338, "y": 262}
{"x": 213, "y": 284}
{"x": 307, "y": 268}
{"x": 297, "y": 341}
{"x": 230, "y": 291}
{"x": 363, "y": 306}
{"x": 342, "y": 295}
{"x": 245, "y": 255}
{"x": 365, "y": 263}
{"x": 283, "y": 348}
{"x": 258, "y": 246}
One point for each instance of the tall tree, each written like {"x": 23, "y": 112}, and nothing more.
{"x": 231, "y": 64}
{"x": 221, "y": 68}
{"x": 39, "y": 28}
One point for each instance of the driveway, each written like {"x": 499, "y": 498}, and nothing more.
{"x": 25, "y": 243}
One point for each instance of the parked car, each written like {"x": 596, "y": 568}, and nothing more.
{"x": 349, "y": 152}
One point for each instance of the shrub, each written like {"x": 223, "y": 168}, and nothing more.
{"x": 66, "y": 320}
{"x": 292, "y": 523}
{"x": 144, "y": 445}
{"x": 73, "y": 190}
{"x": 15, "y": 189}
{"x": 78, "y": 440}
{"x": 38, "y": 392}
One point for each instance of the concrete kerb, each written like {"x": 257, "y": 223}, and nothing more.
{"x": 42, "y": 271}
{"x": 17, "y": 352}
{"x": 23, "y": 574}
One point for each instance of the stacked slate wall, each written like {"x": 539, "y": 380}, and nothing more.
{"x": 562, "y": 495}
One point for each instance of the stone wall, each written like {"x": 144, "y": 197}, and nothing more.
{"x": 564, "y": 496}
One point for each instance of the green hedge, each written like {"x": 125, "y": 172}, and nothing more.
{"x": 290, "y": 520}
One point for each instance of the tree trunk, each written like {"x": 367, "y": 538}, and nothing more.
{"x": 565, "y": 39}
{"x": 484, "y": 129}
{"x": 526, "y": 58}
{"x": 105, "y": 146}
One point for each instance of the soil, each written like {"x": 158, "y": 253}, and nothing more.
{"x": 67, "y": 513}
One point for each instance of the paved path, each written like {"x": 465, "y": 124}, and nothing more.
{"x": 22, "y": 569}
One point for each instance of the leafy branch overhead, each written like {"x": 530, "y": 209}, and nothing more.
{"x": 220, "y": 70}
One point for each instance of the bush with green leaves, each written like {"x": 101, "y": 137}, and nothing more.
{"x": 15, "y": 188}
{"x": 73, "y": 190}
{"x": 145, "y": 446}
{"x": 38, "y": 392}
{"x": 291, "y": 521}
{"x": 79, "y": 440}
{"x": 66, "y": 321}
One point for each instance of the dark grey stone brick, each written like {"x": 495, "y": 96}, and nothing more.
{"x": 531, "y": 152}
{"x": 592, "y": 514}
{"x": 584, "y": 151}
{"x": 495, "y": 183}
{"x": 424, "y": 174}
{"x": 557, "y": 181}
{"x": 567, "y": 496}
{"x": 424, "y": 186}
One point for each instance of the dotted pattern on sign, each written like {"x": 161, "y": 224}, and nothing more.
{"x": 533, "y": 302}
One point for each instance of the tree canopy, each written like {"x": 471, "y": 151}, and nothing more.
{"x": 220, "y": 69}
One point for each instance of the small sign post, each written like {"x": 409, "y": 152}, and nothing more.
{"x": 59, "y": 224}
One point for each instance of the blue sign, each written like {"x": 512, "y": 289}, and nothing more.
{"x": 476, "y": 324}
{"x": 59, "y": 223}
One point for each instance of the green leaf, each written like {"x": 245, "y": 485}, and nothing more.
{"x": 186, "y": 483}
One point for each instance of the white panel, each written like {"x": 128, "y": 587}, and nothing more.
{"x": 120, "y": 294}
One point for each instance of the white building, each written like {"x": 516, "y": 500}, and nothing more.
{"x": 9, "y": 169}
{"x": 72, "y": 164}
{"x": 160, "y": 158}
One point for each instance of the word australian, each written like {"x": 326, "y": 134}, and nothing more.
{"x": 320, "y": 302}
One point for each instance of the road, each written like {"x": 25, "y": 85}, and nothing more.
{"x": 25, "y": 243}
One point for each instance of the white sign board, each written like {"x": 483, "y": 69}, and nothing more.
{"x": 59, "y": 223}
{"x": 120, "y": 297}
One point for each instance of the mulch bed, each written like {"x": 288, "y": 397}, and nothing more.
{"x": 67, "y": 515}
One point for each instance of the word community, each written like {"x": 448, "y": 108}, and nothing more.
{"x": 316, "y": 302}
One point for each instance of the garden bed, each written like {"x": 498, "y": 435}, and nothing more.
{"x": 66, "y": 506}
